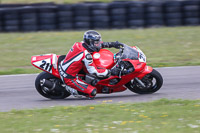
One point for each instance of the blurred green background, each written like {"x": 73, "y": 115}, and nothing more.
{"x": 164, "y": 47}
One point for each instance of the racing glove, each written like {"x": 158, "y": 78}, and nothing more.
{"x": 111, "y": 44}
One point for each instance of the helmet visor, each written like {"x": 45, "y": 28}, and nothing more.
{"x": 94, "y": 37}
{"x": 97, "y": 44}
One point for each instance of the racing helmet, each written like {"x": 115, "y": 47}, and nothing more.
{"x": 92, "y": 39}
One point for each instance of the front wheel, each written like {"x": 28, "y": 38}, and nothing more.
{"x": 44, "y": 91}
{"x": 153, "y": 82}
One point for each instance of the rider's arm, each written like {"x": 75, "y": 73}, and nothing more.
{"x": 111, "y": 44}
{"x": 92, "y": 68}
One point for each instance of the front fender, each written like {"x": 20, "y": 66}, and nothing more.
{"x": 146, "y": 71}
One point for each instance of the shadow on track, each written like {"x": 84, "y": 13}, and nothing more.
{"x": 108, "y": 97}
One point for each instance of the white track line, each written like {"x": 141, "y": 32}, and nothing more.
{"x": 18, "y": 75}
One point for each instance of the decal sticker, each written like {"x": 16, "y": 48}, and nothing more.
{"x": 44, "y": 64}
{"x": 142, "y": 57}
{"x": 96, "y": 55}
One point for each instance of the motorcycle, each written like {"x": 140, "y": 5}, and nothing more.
{"x": 133, "y": 73}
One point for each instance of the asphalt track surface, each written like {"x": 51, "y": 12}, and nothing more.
{"x": 18, "y": 91}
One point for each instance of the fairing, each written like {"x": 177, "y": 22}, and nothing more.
{"x": 47, "y": 63}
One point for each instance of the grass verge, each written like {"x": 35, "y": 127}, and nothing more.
{"x": 163, "y": 47}
{"x": 162, "y": 116}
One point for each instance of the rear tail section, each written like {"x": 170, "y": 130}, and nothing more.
{"x": 47, "y": 63}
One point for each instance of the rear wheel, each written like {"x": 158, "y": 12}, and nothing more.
{"x": 153, "y": 82}
{"x": 46, "y": 92}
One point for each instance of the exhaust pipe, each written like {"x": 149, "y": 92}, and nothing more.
{"x": 50, "y": 85}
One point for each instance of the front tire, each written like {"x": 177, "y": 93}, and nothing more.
{"x": 153, "y": 82}
{"x": 44, "y": 91}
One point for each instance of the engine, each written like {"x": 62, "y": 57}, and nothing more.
{"x": 91, "y": 79}
{"x": 126, "y": 67}
{"x": 122, "y": 68}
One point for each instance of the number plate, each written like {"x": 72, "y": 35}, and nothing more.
{"x": 44, "y": 65}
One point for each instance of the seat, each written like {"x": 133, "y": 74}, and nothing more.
{"x": 60, "y": 58}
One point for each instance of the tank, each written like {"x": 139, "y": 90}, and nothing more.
{"x": 104, "y": 58}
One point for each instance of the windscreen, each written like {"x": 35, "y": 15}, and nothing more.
{"x": 130, "y": 53}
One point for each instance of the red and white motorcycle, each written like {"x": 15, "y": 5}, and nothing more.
{"x": 134, "y": 74}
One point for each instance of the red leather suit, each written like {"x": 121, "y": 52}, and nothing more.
{"x": 78, "y": 58}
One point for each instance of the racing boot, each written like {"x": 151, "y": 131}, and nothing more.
{"x": 73, "y": 92}
{"x": 92, "y": 95}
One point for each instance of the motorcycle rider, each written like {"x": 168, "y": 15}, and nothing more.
{"x": 79, "y": 57}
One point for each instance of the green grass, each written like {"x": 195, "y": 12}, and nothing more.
{"x": 163, "y": 46}
{"x": 162, "y": 116}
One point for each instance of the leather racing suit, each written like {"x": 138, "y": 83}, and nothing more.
{"x": 78, "y": 58}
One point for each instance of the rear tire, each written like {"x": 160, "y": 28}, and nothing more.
{"x": 153, "y": 81}
{"x": 44, "y": 91}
